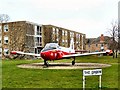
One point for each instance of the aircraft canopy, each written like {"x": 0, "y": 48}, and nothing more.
{"x": 50, "y": 46}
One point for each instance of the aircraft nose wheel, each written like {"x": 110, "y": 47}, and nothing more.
{"x": 73, "y": 62}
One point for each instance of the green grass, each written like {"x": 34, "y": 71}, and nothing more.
{"x": 14, "y": 77}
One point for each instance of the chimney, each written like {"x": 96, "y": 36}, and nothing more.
{"x": 102, "y": 38}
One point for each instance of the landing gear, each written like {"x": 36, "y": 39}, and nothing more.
{"x": 73, "y": 62}
{"x": 45, "y": 63}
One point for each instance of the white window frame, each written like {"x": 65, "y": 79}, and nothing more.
{"x": 0, "y": 51}
{"x": 0, "y": 28}
{"x": 65, "y": 33}
{"x": 66, "y": 40}
{"x": 71, "y": 34}
{"x": 6, "y": 38}
{"x": 57, "y": 39}
{"x": 5, "y": 51}
{"x": 35, "y": 31}
{"x": 6, "y": 28}
{"x": 57, "y": 30}
{"x": 0, "y": 41}
{"x": 53, "y": 30}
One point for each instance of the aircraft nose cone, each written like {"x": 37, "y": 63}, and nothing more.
{"x": 44, "y": 55}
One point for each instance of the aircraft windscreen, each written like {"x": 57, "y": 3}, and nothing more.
{"x": 50, "y": 46}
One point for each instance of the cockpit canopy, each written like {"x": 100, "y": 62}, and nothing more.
{"x": 50, "y": 46}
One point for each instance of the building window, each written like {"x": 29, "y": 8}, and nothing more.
{"x": 0, "y": 51}
{"x": 40, "y": 39}
{"x": 78, "y": 36}
{"x": 62, "y": 41}
{"x": 38, "y": 30}
{"x": 53, "y": 30}
{"x": 5, "y": 28}
{"x": 102, "y": 45}
{"x": 96, "y": 45}
{"x": 6, "y": 51}
{"x": 89, "y": 45}
{"x": 66, "y": 41}
{"x": 57, "y": 39}
{"x": 63, "y": 32}
{"x": 71, "y": 34}
{"x": 5, "y": 40}
{"x": 0, "y": 40}
{"x": 0, "y": 28}
{"x": 57, "y": 30}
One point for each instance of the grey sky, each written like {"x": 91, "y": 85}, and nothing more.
{"x": 92, "y": 17}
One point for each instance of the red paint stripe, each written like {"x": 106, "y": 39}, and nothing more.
{"x": 13, "y": 52}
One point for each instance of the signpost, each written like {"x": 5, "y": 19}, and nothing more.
{"x": 92, "y": 73}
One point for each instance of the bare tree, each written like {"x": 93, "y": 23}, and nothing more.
{"x": 119, "y": 37}
{"x": 114, "y": 41}
{"x": 4, "y": 18}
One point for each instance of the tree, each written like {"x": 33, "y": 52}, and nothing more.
{"x": 119, "y": 36}
{"x": 113, "y": 45}
{"x": 4, "y": 18}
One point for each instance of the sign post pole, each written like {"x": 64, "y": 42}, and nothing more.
{"x": 100, "y": 81}
{"x": 83, "y": 82}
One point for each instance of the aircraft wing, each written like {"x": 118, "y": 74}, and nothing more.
{"x": 84, "y": 54}
{"x": 19, "y": 52}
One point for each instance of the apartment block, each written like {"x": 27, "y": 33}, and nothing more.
{"x": 63, "y": 36}
{"x": 31, "y": 37}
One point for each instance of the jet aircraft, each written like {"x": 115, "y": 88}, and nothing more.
{"x": 52, "y": 51}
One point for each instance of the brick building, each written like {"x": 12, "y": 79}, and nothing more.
{"x": 98, "y": 44}
{"x": 31, "y": 37}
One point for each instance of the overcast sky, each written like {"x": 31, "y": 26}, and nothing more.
{"x": 91, "y": 17}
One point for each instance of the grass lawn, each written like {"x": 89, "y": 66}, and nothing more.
{"x": 14, "y": 77}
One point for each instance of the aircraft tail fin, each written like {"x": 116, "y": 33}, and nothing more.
{"x": 72, "y": 43}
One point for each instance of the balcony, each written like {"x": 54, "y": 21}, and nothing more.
{"x": 38, "y": 44}
{"x": 38, "y": 33}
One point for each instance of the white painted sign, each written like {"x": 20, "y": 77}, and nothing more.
{"x": 92, "y": 72}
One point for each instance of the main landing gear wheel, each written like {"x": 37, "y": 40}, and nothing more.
{"x": 73, "y": 62}
{"x": 45, "y": 63}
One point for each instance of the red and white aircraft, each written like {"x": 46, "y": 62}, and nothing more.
{"x": 52, "y": 51}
